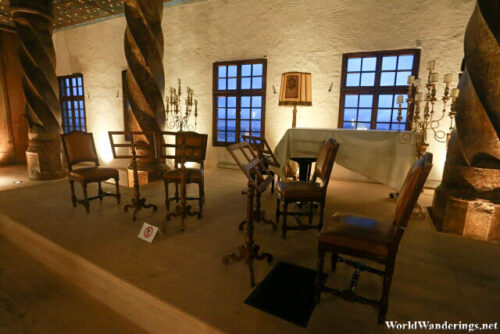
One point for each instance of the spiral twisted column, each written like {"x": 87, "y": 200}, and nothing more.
{"x": 468, "y": 200}
{"x": 34, "y": 21}
{"x": 145, "y": 79}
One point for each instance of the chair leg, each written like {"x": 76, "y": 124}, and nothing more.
{"x": 384, "y": 302}
{"x": 335, "y": 256}
{"x": 272, "y": 183}
{"x": 200, "y": 199}
{"x": 117, "y": 185}
{"x": 73, "y": 196}
{"x": 167, "y": 200}
{"x": 203, "y": 189}
{"x": 176, "y": 192}
{"x": 321, "y": 211}
{"x": 319, "y": 275}
{"x": 100, "y": 192}
{"x": 277, "y": 210}
{"x": 85, "y": 197}
{"x": 283, "y": 227}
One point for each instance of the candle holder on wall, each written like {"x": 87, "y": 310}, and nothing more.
{"x": 175, "y": 118}
{"x": 423, "y": 121}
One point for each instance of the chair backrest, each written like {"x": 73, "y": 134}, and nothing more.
{"x": 260, "y": 145}
{"x": 79, "y": 147}
{"x": 325, "y": 160}
{"x": 409, "y": 194}
{"x": 192, "y": 146}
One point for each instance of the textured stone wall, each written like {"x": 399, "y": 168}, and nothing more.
{"x": 303, "y": 35}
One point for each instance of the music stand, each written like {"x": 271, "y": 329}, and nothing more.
{"x": 183, "y": 210}
{"x": 253, "y": 169}
{"x": 138, "y": 202}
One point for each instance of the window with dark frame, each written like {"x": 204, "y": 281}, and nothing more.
{"x": 239, "y": 100}
{"x": 371, "y": 82}
{"x": 72, "y": 99}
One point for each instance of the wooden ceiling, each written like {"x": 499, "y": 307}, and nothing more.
{"x": 74, "y": 12}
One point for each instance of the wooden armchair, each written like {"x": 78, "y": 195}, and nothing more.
{"x": 79, "y": 147}
{"x": 308, "y": 191}
{"x": 370, "y": 239}
{"x": 189, "y": 147}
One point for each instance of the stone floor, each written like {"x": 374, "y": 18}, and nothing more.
{"x": 439, "y": 277}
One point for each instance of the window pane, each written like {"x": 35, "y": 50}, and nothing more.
{"x": 81, "y": 104}
{"x": 387, "y": 78}
{"x": 365, "y": 101}
{"x": 245, "y": 83}
{"x": 257, "y": 83}
{"x": 231, "y": 101}
{"x": 231, "y": 113}
{"x": 405, "y": 62}
{"x": 352, "y": 79}
{"x": 349, "y": 125}
{"x": 73, "y": 82}
{"x": 245, "y": 101}
{"x": 367, "y": 79}
{"x": 256, "y": 134}
{"x": 231, "y": 84}
{"x": 221, "y": 113}
{"x": 245, "y": 126}
{"x": 369, "y": 64}
{"x": 363, "y": 126}
{"x": 402, "y": 78}
{"x": 351, "y": 101}
{"x": 245, "y": 113}
{"x": 256, "y": 113}
{"x": 231, "y": 125}
{"x": 353, "y": 64}
{"x": 382, "y": 126}
{"x": 364, "y": 115}
{"x": 82, "y": 116}
{"x": 384, "y": 115}
{"x": 403, "y": 115}
{"x": 256, "y": 101}
{"x": 79, "y": 80}
{"x": 385, "y": 101}
{"x": 256, "y": 126}
{"x": 389, "y": 63}
{"x": 246, "y": 70}
{"x": 350, "y": 114}
{"x": 231, "y": 70}
{"x": 222, "y": 71}
{"x": 257, "y": 69}
{"x": 221, "y": 101}
{"x": 221, "y": 125}
{"x": 222, "y": 84}
{"x": 221, "y": 136}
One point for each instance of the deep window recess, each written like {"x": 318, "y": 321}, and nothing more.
{"x": 239, "y": 99}
{"x": 72, "y": 98}
{"x": 371, "y": 82}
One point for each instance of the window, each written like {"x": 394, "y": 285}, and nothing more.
{"x": 239, "y": 89}
{"x": 371, "y": 82}
{"x": 72, "y": 99}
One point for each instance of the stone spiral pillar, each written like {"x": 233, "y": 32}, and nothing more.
{"x": 468, "y": 200}
{"x": 145, "y": 79}
{"x": 34, "y": 22}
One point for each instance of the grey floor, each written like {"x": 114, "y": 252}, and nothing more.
{"x": 439, "y": 277}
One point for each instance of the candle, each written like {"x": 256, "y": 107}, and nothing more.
{"x": 417, "y": 82}
{"x": 418, "y": 97}
{"x": 411, "y": 79}
{"x": 454, "y": 92}
{"x": 434, "y": 77}
{"x": 431, "y": 64}
{"x": 400, "y": 99}
{"x": 448, "y": 77}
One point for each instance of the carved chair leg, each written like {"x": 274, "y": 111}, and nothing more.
{"x": 203, "y": 188}
{"x": 319, "y": 275}
{"x": 335, "y": 256}
{"x": 73, "y": 196}
{"x": 100, "y": 192}
{"x": 85, "y": 197}
{"x": 384, "y": 302}
{"x": 167, "y": 200}
{"x": 117, "y": 185}
{"x": 283, "y": 227}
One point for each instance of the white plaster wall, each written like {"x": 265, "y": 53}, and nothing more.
{"x": 303, "y": 35}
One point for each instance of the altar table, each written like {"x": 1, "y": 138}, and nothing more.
{"x": 378, "y": 155}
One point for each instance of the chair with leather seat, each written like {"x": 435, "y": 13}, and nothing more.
{"x": 308, "y": 191}
{"x": 189, "y": 147}
{"x": 79, "y": 148}
{"x": 370, "y": 239}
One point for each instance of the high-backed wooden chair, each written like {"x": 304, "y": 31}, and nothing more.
{"x": 371, "y": 239}
{"x": 308, "y": 191}
{"x": 189, "y": 147}
{"x": 266, "y": 155}
{"x": 79, "y": 147}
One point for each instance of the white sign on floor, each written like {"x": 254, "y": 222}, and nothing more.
{"x": 148, "y": 232}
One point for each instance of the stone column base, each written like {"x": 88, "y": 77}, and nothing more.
{"x": 476, "y": 218}
{"x": 43, "y": 159}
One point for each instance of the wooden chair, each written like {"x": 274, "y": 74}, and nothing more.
{"x": 266, "y": 155}
{"x": 79, "y": 147}
{"x": 189, "y": 147}
{"x": 370, "y": 239}
{"x": 308, "y": 191}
